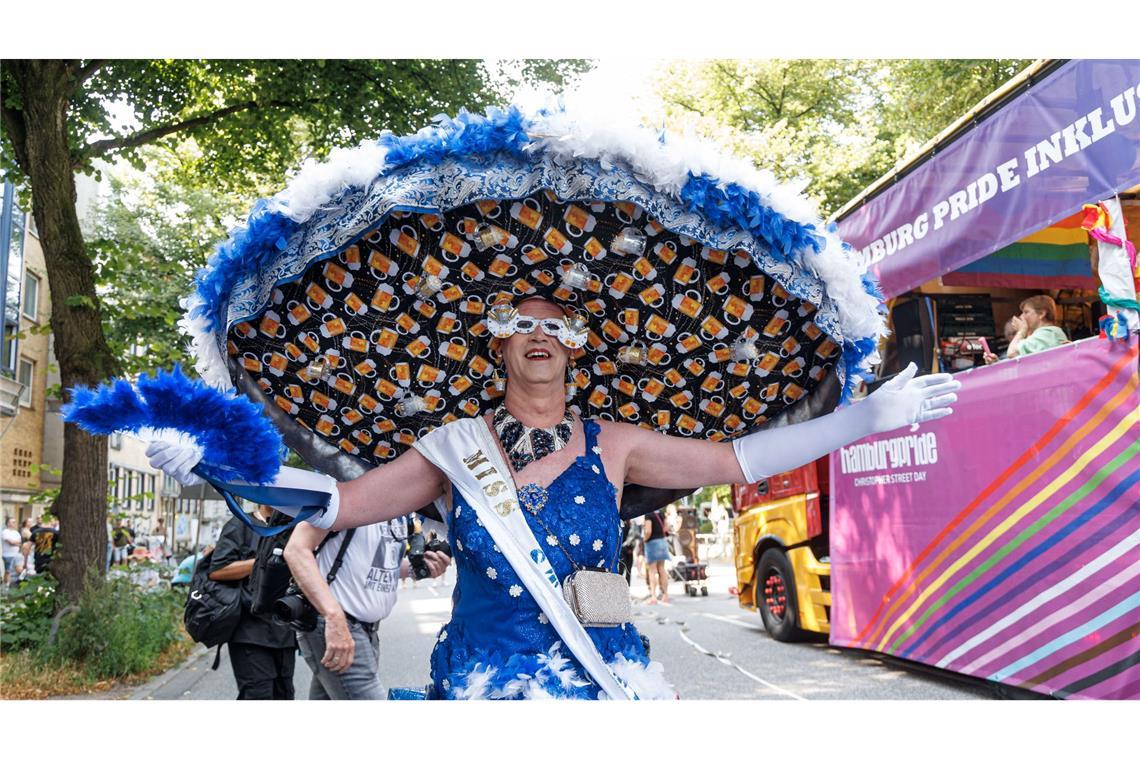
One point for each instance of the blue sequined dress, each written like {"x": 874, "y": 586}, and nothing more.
{"x": 499, "y": 644}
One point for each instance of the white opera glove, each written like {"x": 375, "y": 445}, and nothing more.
{"x": 908, "y": 400}
{"x": 904, "y": 400}
{"x": 178, "y": 461}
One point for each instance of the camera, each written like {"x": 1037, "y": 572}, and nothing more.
{"x": 295, "y": 610}
{"x": 417, "y": 545}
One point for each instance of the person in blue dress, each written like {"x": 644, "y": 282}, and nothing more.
{"x": 569, "y": 474}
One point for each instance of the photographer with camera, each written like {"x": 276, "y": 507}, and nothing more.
{"x": 262, "y": 652}
{"x": 341, "y": 616}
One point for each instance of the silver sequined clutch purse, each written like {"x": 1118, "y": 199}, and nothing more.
{"x": 599, "y": 599}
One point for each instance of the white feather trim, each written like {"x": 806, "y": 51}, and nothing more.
{"x": 647, "y": 681}
{"x": 475, "y": 686}
{"x": 209, "y": 361}
{"x": 316, "y": 183}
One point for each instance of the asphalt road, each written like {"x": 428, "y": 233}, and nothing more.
{"x": 710, "y": 647}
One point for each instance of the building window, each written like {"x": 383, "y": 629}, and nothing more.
{"x": 31, "y": 300}
{"x": 21, "y": 463}
{"x": 116, "y": 441}
{"x": 24, "y": 376}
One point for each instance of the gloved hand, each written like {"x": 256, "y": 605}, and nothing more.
{"x": 907, "y": 400}
{"x": 176, "y": 461}
{"x": 904, "y": 400}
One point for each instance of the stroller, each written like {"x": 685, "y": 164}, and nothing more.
{"x": 692, "y": 574}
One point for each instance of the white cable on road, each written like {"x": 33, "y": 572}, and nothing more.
{"x": 731, "y": 664}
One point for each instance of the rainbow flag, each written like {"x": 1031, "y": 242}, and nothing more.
{"x": 1054, "y": 258}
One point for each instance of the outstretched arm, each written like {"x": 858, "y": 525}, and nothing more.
{"x": 671, "y": 462}
{"x": 386, "y": 492}
{"x": 389, "y": 491}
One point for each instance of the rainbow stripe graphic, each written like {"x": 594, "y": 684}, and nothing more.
{"x": 1036, "y": 581}
{"x": 1056, "y": 257}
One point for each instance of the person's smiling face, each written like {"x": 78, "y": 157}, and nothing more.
{"x": 536, "y": 358}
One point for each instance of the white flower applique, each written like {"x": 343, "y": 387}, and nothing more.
{"x": 597, "y": 450}
{"x": 443, "y": 635}
{"x": 458, "y": 544}
{"x": 574, "y": 540}
{"x": 597, "y": 544}
{"x": 516, "y": 590}
{"x": 542, "y": 618}
{"x": 594, "y": 467}
{"x": 579, "y": 499}
{"x": 496, "y": 548}
{"x": 492, "y": 573}
{"x": 552, "y": 540}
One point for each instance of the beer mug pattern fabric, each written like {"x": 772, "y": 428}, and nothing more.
{"x": 683, "y": 339}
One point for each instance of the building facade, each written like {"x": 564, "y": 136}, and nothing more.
{"x": 25, "y": 360}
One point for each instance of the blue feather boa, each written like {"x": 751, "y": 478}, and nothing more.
{"x": 237, "y": 440}
{"x": 727, "y": 204}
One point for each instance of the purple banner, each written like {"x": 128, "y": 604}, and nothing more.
{"x": 1003, "y": 542}
{"x": 1070, "y": 139}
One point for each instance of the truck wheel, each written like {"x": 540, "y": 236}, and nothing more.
{"x": 776, "y": 596}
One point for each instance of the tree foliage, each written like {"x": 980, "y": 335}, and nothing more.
{"x": 837, "y": 124}
{"x": 154, "y": 231}
{"x": 249, "y": 122}
{"x": 254, "y": 119}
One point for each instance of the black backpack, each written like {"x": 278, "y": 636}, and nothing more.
{"x": 213, "y": 609}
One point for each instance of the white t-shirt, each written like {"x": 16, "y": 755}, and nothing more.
{"x": 11, "y": 549}
{"x": 365, "y": 585}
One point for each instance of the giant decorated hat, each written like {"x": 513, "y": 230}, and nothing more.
{"x": 358, "y": 304}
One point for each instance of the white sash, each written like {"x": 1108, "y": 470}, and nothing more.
{"x": 470, "y": 458}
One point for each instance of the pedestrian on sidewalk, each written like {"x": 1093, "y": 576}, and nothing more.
{"x": 343, "y": 650}
{"x": 262, "y": 652}
{"x": 656, "y": 552}
{"x": 11, "y": 541}
{"x": 44, "y": 541}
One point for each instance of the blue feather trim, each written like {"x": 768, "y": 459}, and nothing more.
{"x": 731, "y": 205}
{"x": 237, "y": 440}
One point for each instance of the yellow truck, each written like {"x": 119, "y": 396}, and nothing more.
{"x": 780, "y": 540}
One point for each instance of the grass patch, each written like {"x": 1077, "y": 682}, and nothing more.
{"x": 25, "y": 675}
{"x": 121, "y": 632}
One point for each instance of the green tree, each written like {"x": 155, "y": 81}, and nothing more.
{"x": 837, "y": 124}
{"x": 249, "y": 119}
{"x": 924, "y": 96}
{"x": 801, "y": 119}
{"x": 154, "y": 231}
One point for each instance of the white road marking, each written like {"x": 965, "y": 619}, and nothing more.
{"x": 740, "y": 623}
{"x": 731, "y": 664}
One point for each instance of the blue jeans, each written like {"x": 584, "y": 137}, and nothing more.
{"x": 360, "y": 681}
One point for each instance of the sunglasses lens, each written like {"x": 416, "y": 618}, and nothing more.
{"x": 551, "y": 327}
{"x": 524, "y": 326}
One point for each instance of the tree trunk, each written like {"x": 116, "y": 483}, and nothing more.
{"x": 80, "y": 346}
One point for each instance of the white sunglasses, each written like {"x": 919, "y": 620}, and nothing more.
{"x": 505, "y": 321}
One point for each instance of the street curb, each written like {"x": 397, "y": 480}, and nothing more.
{"x": 153, "y": 686}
